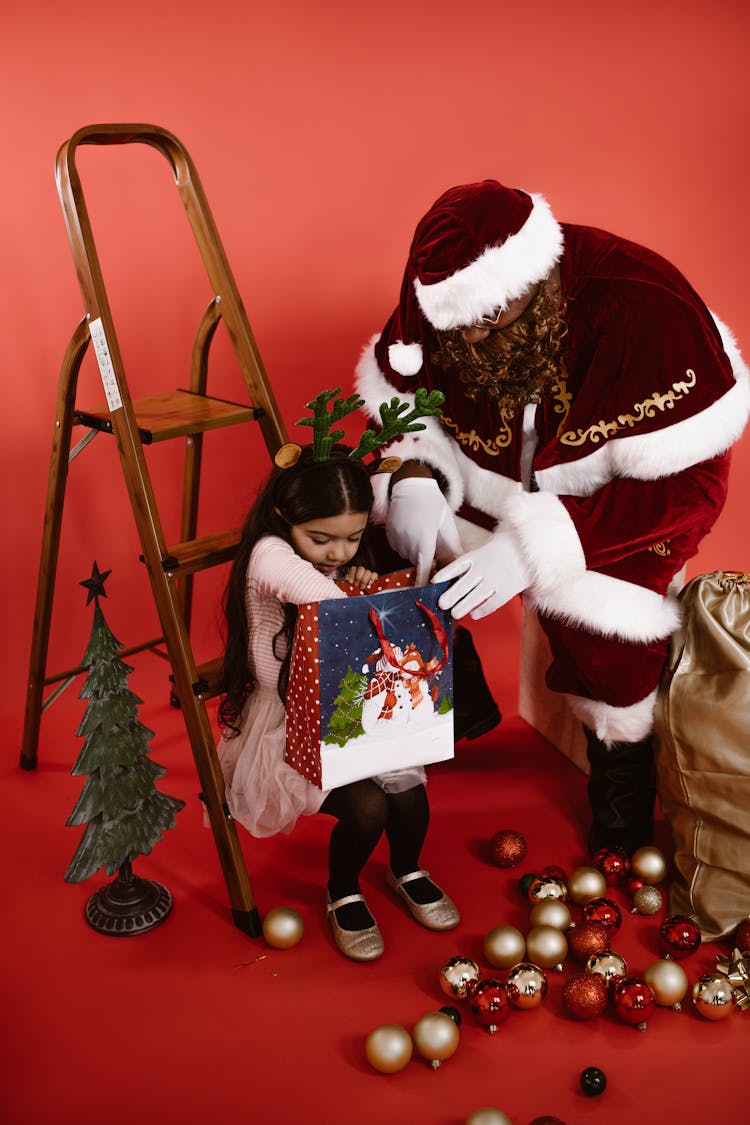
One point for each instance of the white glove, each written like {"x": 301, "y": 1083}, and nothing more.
{"x": 487, "y": 578}
{"x": 420, "y": 525}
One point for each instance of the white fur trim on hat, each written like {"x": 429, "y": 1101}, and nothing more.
{"x": 405, "y": 358}
{"x": 499, "y": 275}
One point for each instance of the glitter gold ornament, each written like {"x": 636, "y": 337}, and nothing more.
{"x": 586, "y": 883}
{"x": 457, "y": 975}
{"x": 551, "y": 912}
{"x": 668, "y": 981}
{"x": 388, "y": 1048}
{"x": 504, "y": 946}
{"x": 508, "y": 848}
{"x": 527, "y": 984}
{"x": 587, "y": 939}
{"x": 283, "y": 927}
{"x": 584, "y": 995}
{"x": 649, "y": 864}
{"x": 647, "y": 900}
{"x": 546, "y": 886}
{"x": 435, "y": 1037}
{"x": 546, "y": 947}
{"x": 609, "y": 965}
{"x": 713, "y": 996}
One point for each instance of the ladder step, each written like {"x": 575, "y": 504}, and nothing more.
{"x": 200, "y": 554}
{"x": 209, "y": 679}
{"x": 174, "y": 414}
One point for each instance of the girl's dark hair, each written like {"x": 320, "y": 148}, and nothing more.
{"x": 309, "y": 490}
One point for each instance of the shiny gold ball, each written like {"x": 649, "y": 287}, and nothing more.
{"x": 649, "y": 864}
{"x": 586, "y": 883}
{"x": 504, "y": 946}
{"x": 388, "y": 1048}
{"x": 714, "y": 996}
{"x": 551, "y": 912}
{"x": 608, "y": 964}
{"x": 668, "y": 981}
{"x": 283, "y": 927}
{"x": 546, "y": 886}
{"x": 435, "y": 1037}
{"x": 546, "y": 947}
{"x": 488, "y": 1115}
{"x": 647, "y": 900}
{"x": 528, "y": 985}
{"x": 457, "y": 976}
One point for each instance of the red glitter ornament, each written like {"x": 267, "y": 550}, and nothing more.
{"x": 587, "y": 939}
{"x": 508, "y": 848}
{"x": 491, "y": 1002}
{"x": 603, "y": 910}
{"x": 614, "y": 864}
{"x": 742, "y": 936}
{"x": 680, "y": 936}
{"x": 633, "y": 1001}
{"x": 584, "y": 995}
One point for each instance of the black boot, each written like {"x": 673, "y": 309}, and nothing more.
{"x": 622, "y": 792}
{"x": 474, "y": 710}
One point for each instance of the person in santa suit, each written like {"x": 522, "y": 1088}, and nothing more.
{"x": 591, "y": 400}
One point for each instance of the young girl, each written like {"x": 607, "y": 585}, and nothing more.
{"x": 305, "y": 530}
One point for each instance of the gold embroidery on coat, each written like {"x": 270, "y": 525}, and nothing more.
{"x": 641, "y": 410}
{"x": 661, "y": 549}
{"x": 561, "y": 397}
{"x": 490, "y": 446}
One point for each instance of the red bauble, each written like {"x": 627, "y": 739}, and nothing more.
{"x": 614, "y": 864}
{"x": 491, "y": 1002}
{"x": 547, "y": 1121}
{"x": 555, "y": 871}
{"x": 633, "y": 1001}
{"x": 508, "y": 848}
{"x": 587, "y": 939}
{"x": 742, "y": 936}
{"x": 680, "y": 936}
{"x": 605, "y": 911}
{"x": 634, "y": 883}
{"x": 584, "y": 995}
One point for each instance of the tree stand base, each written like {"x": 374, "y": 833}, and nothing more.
{"x": 128, "y": 905}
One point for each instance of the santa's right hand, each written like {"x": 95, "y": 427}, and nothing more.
{"x": 420, "y": 526}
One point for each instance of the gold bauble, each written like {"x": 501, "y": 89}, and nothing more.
{"x": 546, "y": 886}
{"x": 607, "y": 964}
{"x": 388, "y": 1048}
{"x": 551, "y": 912}
{"x": 649, "y": 864}
{"x": 504, "y": 946}
{"x": 586, "y": 883}
{"x": 546, "y": 947}
{"x": 528, "y": 985}
{"x": 668, "y": 981}
{"x": 714, "y": 996}
{"x": 488, "y": 1115}
{"x": 283, "y": 927}
{"x": 457, "y": 976}
{"x": 435, "y": 1037}
{"x": 647, "y": 900}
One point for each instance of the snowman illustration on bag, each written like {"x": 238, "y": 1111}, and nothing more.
{"x": 403, "y": 691}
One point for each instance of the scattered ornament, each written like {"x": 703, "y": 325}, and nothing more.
{"x": 527, "y": 984}
{"x": 457, "y": 975}
{"x": 737, "y": 971}
{"x": 614, "y": 864}
{"x": 713, "y": 996}
{"x": 508, "y": 848}
{"x": 525, "y": 882}
{"x": 586, "y": 883}
{"x": 453, "y": 1013}
{"x": 551, "y": 912}
{"x": 633, "y": 883}
{"x": 546, "y": 886}
{"x": 555, "y": 871}
{"x": 633, "y": 1001}
{"x": 504, "y": 946}
{"x": 593, "y": 1081}
{"x": 649, "y": 864}
{"x": 389, "y": 1048}
{"x": 584, "y": 995}
{"x": 283, "y": 927}
{"x": 647, "y": 900}
{"x": 679, "y": 936}
{"x": 587, "y": 939}
{"x": 545, "y": 1120}
{"x": 436, "y": 1037}
{"x": 547, "y": 947}
{"x": 603, "y": 910}
{"x": 490, "y": 1001}
{"x": 742, "y": 936}
{"x": 488, "y": 1115}
{"x": 608, "y": 964}
{"x": 668, "y": 981}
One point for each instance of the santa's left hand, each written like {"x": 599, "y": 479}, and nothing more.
{"x": 486, "y": 578}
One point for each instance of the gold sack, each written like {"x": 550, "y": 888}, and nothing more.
{"x": 702, "y": 743}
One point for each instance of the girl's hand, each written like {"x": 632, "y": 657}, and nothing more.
{"x": 359, "y": 576}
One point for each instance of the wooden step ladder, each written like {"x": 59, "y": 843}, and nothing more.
{"x": 135, "y": 424}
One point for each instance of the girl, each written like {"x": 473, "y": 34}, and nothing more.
{"x": 305, "y": 530}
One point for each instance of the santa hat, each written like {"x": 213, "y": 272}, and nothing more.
{"x": 479, "y": 247}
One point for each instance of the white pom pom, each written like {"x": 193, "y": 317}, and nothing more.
{"x": 405, "y": 358}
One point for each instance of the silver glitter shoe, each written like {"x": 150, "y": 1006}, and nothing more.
{"x": 358, "y": 945}
{"x": 439, "y": 915}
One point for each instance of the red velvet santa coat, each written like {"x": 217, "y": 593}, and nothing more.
{"x": 629, "y": 470}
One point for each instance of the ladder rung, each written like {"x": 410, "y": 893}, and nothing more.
{"x": 209, "y": 677}
{"x": 174, "y": 414}
{"x": 200, "y": 554}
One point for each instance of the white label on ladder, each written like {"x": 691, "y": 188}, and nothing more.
{"x": 103, "y": 358}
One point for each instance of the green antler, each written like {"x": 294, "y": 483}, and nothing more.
{"x": 324, "y": 438}
{"x": 396, "y": 422}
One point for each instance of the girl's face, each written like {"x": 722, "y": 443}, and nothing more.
{"x": 329, "y": 543}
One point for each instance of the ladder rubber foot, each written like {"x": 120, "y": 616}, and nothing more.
{"x": 27, "y": 763}
{"x": 248, "y": 921}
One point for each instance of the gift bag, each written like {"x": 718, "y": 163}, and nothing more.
{"x": 702, "y": 729}
{"x": 370, "y": 683}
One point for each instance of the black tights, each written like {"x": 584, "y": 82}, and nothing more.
{"x": 363, "y": 812}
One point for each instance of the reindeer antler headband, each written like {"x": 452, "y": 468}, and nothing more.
{"x": 397, "y": 417}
